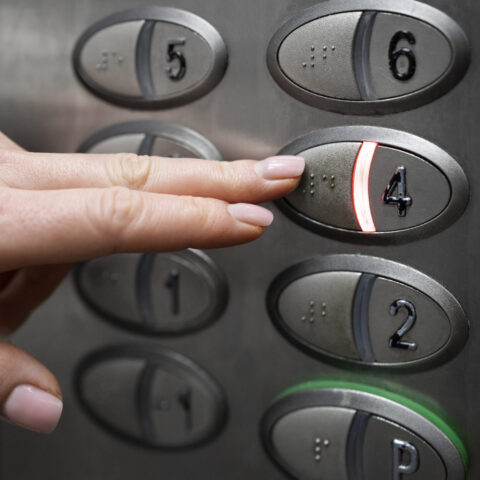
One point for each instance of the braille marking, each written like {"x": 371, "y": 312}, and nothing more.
{"x": 317, "y": 448}
{"x": 360, "y": 194}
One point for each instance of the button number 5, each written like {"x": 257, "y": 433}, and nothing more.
{"x": 173, "y": 55}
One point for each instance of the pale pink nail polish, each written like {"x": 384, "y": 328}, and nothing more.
{"x": 280, "y": 167}
{"x": 252, "y": 214}
{"x": 33, "y": 408}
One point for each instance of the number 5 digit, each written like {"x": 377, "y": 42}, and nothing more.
{"x": 172, "y": 55}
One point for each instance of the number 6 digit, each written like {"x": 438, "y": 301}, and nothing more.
{"x": 395, "y": 53}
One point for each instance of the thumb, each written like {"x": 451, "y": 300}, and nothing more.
{"x": 29, "y": 394}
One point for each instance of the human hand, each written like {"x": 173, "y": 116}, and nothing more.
{"x": 56, "y": 209}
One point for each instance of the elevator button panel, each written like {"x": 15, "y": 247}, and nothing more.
{"x": 368, "y": 311}
{"x": 373, "y": 184}
{"x": 151, "y": 395}
{"x": 150, "y": 57}
{"x": 164, "y": 293}
{"x": 151, "y": 137}
{"x": 368, "y": 57}
{"x": 353, "y": 432}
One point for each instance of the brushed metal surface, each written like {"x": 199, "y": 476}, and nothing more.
{"x": 247, "y": 115}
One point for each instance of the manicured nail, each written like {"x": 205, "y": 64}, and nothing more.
{"x": 252, "y": 214}
{"x": 33, "y": 408}
{"x": 280, "y": 167}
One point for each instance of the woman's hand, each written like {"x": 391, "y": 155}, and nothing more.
{"x": 56, "y": 209}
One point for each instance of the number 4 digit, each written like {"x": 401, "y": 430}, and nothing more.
{"x": 398, "y": 182}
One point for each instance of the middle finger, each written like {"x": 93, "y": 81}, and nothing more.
{"x": 237, "y": 181}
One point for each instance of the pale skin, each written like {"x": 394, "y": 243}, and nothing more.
{"x": 58, "y": 209}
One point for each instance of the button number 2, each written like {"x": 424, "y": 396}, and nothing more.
{"x": 396, "y": 339}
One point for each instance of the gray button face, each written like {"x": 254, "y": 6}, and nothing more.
{"x": 428, "y": 333}
{"x": 181, "y": 409}
{"x": 188, "y": 48}
{"x": 336, "y": 430}
{"x": 390, "y": 185}
{"x": 318, "y": 56}
{"x": 425, "y": 185}
{"x": 148, "y": 57}
{"x": 110, "y": 389}
{"x": 151, "y": 395}
{"x": 366, "y": 310}
{"x": 108, "y": 58}
{"x": 128, "y": 143}
{"x": 325, "y": 192}
{"x": 392, "y": 452}
{"x": 150, "y": 137}
{"x": 167, "y": 148}
{"x": 318, "y": 308}
{"x": 368, "y": 57}
{"x": 108, "y": 285}
{"x": 182, "y": 291}
{"x": 312, "y": 442}
{"x": 155, "y": 293}
{"x": 429, "y": 49}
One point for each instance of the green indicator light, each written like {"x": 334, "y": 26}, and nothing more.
{"x": 395, "y": 397}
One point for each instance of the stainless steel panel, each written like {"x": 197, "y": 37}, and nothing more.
{"x": 44, "y": 108}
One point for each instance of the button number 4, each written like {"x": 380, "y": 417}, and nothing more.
{"x": 401, "y": 200}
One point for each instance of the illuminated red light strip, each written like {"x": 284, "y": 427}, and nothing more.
{"x": 361, "y": 174}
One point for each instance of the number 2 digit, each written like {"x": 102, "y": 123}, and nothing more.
{"x": 396, "y": 339}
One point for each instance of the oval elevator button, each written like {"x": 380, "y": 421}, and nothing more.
{"x": 150, "y": 57}
{"x": 151, "y": 395}
{"x": 347, "y": 431}
{"x": 368, "y": 57}
{"x": 151, "y": 137}
{"x": 164, "y": 293}
{"x": 374, "y": 185}
{"x": 368, "y": 311}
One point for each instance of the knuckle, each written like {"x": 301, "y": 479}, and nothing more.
{"x": 118, "y": 209}
{"x": 205, "y": 212}
{"x": 228, "y": 174}
{"x": 130, "y": 170}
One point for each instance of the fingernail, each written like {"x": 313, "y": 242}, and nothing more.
{"x": 252, "y": 214}
{"x": 33, "y": 408}
{"x": 280, "y": 167}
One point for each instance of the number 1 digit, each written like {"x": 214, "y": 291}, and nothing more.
{"x": 173, "y": 283}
